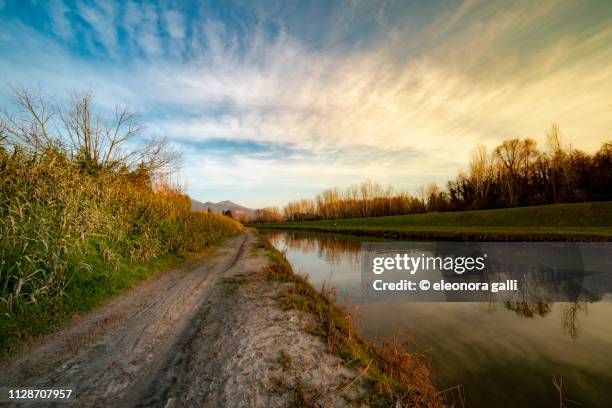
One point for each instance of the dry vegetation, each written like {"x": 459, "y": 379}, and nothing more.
{"x": 394, "y": 376}
{"x": 80, "y": 217}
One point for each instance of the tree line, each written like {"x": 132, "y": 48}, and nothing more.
{"x": 515, "y": 173}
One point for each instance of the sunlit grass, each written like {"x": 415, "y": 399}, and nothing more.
{"x": 567, "y": 220}
{"x": 70, "y": 239}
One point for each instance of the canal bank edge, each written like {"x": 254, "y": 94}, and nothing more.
{"x": 469, "y": 236}
{"x": 386, "y": 374}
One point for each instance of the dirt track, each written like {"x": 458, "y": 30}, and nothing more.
{"x": 207, "y": 334}
{"x": 116, "y": 354}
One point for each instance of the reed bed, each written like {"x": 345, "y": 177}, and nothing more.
{"x": 62, "y": 228}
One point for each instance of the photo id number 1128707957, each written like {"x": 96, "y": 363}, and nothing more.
{"x": 15, "y": 394}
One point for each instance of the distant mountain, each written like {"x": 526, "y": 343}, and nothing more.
{"x": 221, "y": 206}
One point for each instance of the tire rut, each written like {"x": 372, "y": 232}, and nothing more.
{"x": 117, "y": 355}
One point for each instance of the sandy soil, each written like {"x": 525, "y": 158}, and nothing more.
{"x": 207, "y": 334}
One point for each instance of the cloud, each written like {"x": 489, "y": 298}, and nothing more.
{"x": 101, "y": 18}
{"x": 59, "y": 19}
{"x": 404, "y": 107}
{"x": 175, "y": 24}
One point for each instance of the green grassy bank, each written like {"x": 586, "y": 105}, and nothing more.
{"x": 556, "y": 222}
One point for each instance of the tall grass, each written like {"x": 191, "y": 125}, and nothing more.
{"x": 59, "y": 223}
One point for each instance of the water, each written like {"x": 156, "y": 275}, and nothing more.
{"x": 502, "y": 357}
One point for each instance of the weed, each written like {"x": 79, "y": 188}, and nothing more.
{"x": 299, "y": 399}
{"x": 235, "y": 280}
{"x": 391, "y": 373}
{"x": 285, "y": 360}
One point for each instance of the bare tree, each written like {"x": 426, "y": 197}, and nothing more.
{"x": 3, "y": 136}
{"x": 84, "y": 135}
{"x": 157, "y": 156}
{"x": 557, "y": 177}
{"x": 30, "y": 126}
{"x": 509, "y": 155}
{"x": 94, "y": 141}
{"x": 481, "y": 172}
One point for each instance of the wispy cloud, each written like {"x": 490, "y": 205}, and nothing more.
{"x": 101, "y": 17}
{"x": 254, "y": 95}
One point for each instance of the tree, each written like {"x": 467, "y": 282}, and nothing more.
{"x": 92, "y": 141}
{"x": 481, "y": 175}
{"x": 268, "y": 214}
{"x": 556, "y": 176}
{"x": 515, "y": 157}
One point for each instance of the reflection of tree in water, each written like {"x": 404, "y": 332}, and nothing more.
{"x": 569, "y": 313}
{"x": 559, "y": 277}
{"x": 538, "y": 283}
{"x": 327, "y": 247}
{"x": 569, "y": 317}
{"x": 529, "y": 309}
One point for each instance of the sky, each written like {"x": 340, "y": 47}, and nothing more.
{"x": 270, "y": 101}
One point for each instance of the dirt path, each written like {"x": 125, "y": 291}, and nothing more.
{"x": 197, "y": 335}
{"x": 114, "y": 354}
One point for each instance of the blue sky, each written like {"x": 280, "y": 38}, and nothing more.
{"x": 272, "y": 101}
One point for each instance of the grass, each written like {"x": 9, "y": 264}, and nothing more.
{"x": 235, "y": 280}
{"x": 581, "y": 221}
{"x": 87, "y": 290}
{"x": 388, "y": 371}
{"x": 70, "y": 238}
{"x": 285, "y": 360}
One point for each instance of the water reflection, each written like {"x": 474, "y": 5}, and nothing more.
{"x": 504, "y": 353}
{"x": 331, "y": 248}
{"x": 569, "y": 317}
{"x": 540, "y": 271}
{"x": 540, "y": 283}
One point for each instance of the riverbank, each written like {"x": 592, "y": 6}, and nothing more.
{"x": 557, "y": 222}
{"x": 491, "y": 349}
{"x": 234, "y": 328}
{"x": 388, "y": 375}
